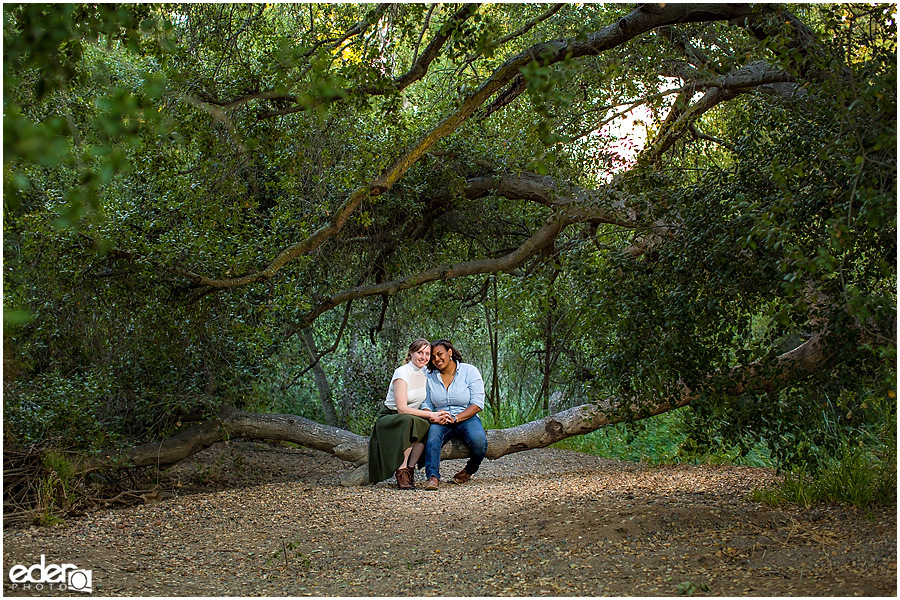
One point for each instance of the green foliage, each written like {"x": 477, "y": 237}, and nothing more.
{"x": 509, "y": 415}
{"x": 856, "y": 476}
{"x": 55, "y": 493}
{"x": 59, "y": 411}
{"x": 364, "y": 390}
{"x": 796, "y": 432}
{"x": 46, "y": 51}
{"x": 689, "y": 588}
{"x": 98, "y": 370}
{"x": 59, "y": 465}
{"x": 662, "y": 439}
{"x": 46, "y": 504}
{"x": 289, "y": 557}
{"x": 733, "y": 290}
{"x": 848, "y": 479}
{"x": 796, "y": 488}
{"x": 655, "y": 441}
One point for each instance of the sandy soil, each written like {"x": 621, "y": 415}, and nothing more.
{"x": 247, "y": 519}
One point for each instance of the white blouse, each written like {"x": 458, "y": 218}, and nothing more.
{"x": 415, "y": 386}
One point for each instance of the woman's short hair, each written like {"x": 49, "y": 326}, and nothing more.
{"x": 454, "y": 354}
{"x": 415, "y": 347}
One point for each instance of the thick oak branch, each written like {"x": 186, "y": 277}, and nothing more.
{"x": 232, "y": 423}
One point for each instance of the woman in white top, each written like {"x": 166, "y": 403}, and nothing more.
{"x": 398, "y": 438}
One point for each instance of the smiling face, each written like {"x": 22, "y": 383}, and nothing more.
{"x": 420, "y": 357}
{"x": 442, "y": 357}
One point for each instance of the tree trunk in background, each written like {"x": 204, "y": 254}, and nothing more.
{"x": 547, "y": 366}
{"x": 346, "y": 401}
{"x": 321, "y": 379}
{"x": 494, "y": 391}
{"x": 550, "y": 351}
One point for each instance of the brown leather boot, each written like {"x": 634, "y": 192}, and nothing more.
{"x": 412, "y": 476}
{"x": 402, "y": 477}
{"x": 461, "y": 477}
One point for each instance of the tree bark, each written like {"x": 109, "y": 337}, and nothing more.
{"x": 233, "y": 423}
{"x": 320, "y": 378}
{"x": 493, "y": 396}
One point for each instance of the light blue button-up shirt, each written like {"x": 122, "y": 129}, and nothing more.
{"x": 467, "y": 388}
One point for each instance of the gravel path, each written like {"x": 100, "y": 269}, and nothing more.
{"x": 543, "y": 522}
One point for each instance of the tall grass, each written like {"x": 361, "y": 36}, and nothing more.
{"x": 509, "y": 415}
{"x": 655, "y": 440}
{"x": 55, "y": 489}
{"x": 659, "y": 440}
{"x": 858, "y": 476}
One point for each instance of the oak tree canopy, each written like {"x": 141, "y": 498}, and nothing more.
{"x": 241, "y": 214}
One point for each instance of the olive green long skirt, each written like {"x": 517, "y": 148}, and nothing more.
{"x": 392, "y": 435}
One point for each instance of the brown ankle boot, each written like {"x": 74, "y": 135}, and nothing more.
{"x": 412, "y": 476}
{"x": 402, "y": 477}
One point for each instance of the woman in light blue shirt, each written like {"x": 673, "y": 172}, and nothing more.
{"x": 457, "y": 388}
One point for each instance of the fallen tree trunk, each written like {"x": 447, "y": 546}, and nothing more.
{"x": 233, "y": 423}
{"x": 579, "y": 420}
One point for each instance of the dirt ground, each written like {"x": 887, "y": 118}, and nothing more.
{"x": 247, "y": 519}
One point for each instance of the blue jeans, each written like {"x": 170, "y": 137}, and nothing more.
{"x": 472, "y": 434}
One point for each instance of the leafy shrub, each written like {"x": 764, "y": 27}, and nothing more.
{"x": 366, "y": 377}
{"x": 856, "y": 476}
{"x": 58, "y": 411}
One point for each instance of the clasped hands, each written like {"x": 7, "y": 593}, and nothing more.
{"x": 442, "y": 418}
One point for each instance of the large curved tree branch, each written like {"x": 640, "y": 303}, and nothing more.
{"x": 545, "y": 190}
{"x": 572, "y": 204}
{"x": 418, "y": 70}
{"x": 542, "y": 238}
{"x": 791, "y": 366}
{"x": 682, "y": 116}
{"x": 679, "y": 123}
{"x": 635, "y": 23}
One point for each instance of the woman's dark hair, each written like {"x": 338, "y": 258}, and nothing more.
{"x": 454, "y": 354}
